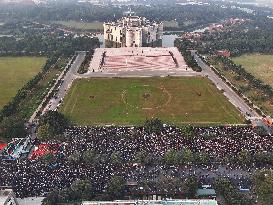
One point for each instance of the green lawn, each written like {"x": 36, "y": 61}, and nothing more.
{"x": 15, "y": 72}
{"x": 129, "y": 101}
{"x": 261, "y": 66}
{"x": 81, "y": 25}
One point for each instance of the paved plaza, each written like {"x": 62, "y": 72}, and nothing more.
{"x": 137, "y": 59}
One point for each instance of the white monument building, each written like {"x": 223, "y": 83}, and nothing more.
{"x": 133, "y": 31}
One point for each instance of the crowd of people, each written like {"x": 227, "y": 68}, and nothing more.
{"x": 38, "y": 176}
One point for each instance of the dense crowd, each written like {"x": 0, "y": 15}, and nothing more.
{"x": 37, "y": 177}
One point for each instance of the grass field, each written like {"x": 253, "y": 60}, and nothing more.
{"x": 81, "y": 25}
{"x": 15, "y": 72}
{"x": 261, "y": 66}
{"x": 129, "y": 101}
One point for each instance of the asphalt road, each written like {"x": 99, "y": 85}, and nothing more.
{"x": 68, "y": 79}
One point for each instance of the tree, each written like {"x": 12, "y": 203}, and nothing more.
{"x": 143, "y": 158}
{"x": 115, "y": 187}
{"x": 44, "y": 132}
{"x": 190, "y": 186}
{"x": 201, "y": 157}
{"x": 187, "y": 156}
{"x": 264, "y": 186}
{"x": 153, "y": 126}
{"x": 89, "y": 156}
{"x": 52, "y": 123}
{"x": 169, "y": 186}
{"x": 263, "y": 158}
{"x": 116, "y": 158}
{"x": 82, "y": 190}
{"x": 75, "y": 157}
{"x": 244, "y": 157}
{"x": 171, "y": 157}
{"x": 260, "y": 131}
{"x": 52, "y": 198}
{"x": 231, "y": 193}
{"x": 188, "y": 131}
{"x": 78, "y": 191}
{"x": 12, "y": 127}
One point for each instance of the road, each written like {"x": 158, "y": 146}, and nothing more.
{"x": 68, "y": 79}
{"x": 233, "y": 97}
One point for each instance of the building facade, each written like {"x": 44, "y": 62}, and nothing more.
{"x": 132, "y": 31}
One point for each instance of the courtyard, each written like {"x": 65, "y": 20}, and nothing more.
{"x": 132, "y": 59}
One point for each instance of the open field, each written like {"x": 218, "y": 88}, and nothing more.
{"x": 15, "y": 72}
{"x": 261, "y": 66}
{"x": 129, "y": 101}
{"x": 81, "y": 25}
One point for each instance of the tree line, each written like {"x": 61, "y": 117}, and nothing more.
{"x": 117, "y": 189}
{"x": 187, "y": 16}
{"x": 45, "y": 45}
{"x": 85, "y": 64}
{"x": 183, "y": 47}
{"x": 11, "y": 118}
{"x": 266, "y": 90}
{"x": 231, "y": 194}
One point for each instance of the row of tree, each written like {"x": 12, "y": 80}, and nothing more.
{"x": 85, "y": 64}
{"x": 45, "y": 45}
{"x": 53, "y": 124}
{"x": 117, "y": 189}
{"x": 188, "y": 16}
{"x": 183, "y": 47}
{"x": 12, "y": 118}
{"x": 81, "y": 190}
{"x": 265, "y": 90}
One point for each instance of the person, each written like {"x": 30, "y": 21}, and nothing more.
{"x": 98, "y": 153}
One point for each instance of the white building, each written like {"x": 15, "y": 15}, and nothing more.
{"x": 133, "y": 31}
